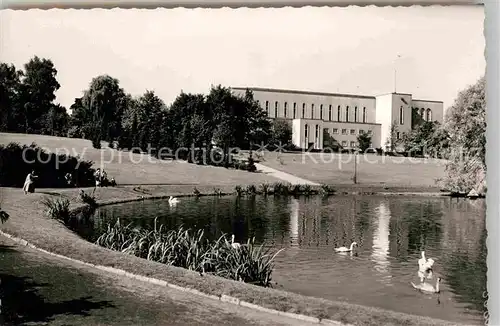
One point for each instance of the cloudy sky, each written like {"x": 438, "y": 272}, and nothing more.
{"x": 346, "y": 50}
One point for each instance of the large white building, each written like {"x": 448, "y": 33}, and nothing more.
{"x": 342, "y": 116}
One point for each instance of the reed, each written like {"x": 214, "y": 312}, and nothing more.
{"x": 251, "y": 190}
{"x": 239, "y": 190}
{"x": 57, "y": 208}
{"x": 190, "y": 249}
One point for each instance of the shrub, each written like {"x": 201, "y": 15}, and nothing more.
{"x": 88, "y": 199}
{"x": 4, "y": 216}
{"x": 49, "y": 167}
{"x": 57, "y": 208}
{"x": 196, "y": 192}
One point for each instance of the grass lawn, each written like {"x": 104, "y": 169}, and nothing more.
{"x": 131, "y": 168}
{"x": 338, "y": 169}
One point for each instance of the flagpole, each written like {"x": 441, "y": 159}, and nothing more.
{"x": 395, "y": 73}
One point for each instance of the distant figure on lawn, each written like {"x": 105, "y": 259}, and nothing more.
{"x": 29, "y": 183}
{"x": 69, "y": 179}
{"x": 98, "y": 176}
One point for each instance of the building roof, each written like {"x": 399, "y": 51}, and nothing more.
{"x": 426, "y": 101}
{"x": 289, "y": 91}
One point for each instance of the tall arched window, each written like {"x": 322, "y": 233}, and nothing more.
{"x": 276, "y": 109}
{"x": 312, "y": 111}
{"x": 267, "y": 108}
{"x": 401, "y": 116}
{"x": 355, "y": 114}
{"x": 338, "y": 113}
{"x": 330, "y": 113}
{"x": 284, "y": 108}
{"x": 294, "y": 110}
{"x": 422, "y": 113}
{"x": 316, "y": 139}
{"x": 321, "y": 111}
{"x": 364, "y": 114}
{"x": 347, "y": 114}
{"x": 429, "y": 115}
{"x": 303, "y": 110}
{"x": 306, "y": 139}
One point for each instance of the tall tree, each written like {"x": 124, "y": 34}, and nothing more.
{"x": 37, "y": 92}
{"x": 9, "y": 85}
{"x": 364, "y": 141}
{"x": 105, "y": 102}
{"x": 466, "y": 126}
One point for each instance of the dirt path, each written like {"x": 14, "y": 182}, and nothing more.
{"x": 287, "y": 177}
{"x": 37, "y": 289}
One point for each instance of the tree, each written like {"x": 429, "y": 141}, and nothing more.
{"x": 36, "y": 93}
{"x": 281, "y": 132}
{"x": 9, "y": 109}
{"x": 465, "y": 124}
{"x": 56, "y": 121}
{"x": 364, "y": 142}
{"x": 393, "y": 140}
{"x": 104, "y": 103}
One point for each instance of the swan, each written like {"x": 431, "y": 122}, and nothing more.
{"x": 425, "y": 267}
{"x": 345, "y": 249}
{"x": 235, "y": 245}
{"x": 426, "y": 287}
{"x": 173, "y": 200}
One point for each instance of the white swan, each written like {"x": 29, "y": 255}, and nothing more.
{"x": 235, "y": 245}
{"x": 426, "y": 287}
{"x": 173, "y": 200}
{"x": 345, "y": 249}
{"x": 425, "y": 267}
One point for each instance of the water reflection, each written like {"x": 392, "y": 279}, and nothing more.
{"x": 294, "y": 222}
{"x": 390, "y": 232}
{"x": 380, "y": 252}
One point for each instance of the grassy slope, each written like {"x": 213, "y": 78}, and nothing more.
{"x": 146, "y": 170}
{"x": 338, "y": 169}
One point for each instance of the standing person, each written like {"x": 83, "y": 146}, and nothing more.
{"x": 29, "y": 183}
{"x": 97, "y": 176}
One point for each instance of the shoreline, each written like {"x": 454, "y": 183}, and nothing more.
{"x": 27, "y": 223}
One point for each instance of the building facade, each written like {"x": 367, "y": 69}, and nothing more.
{"x": 343, "y": 117}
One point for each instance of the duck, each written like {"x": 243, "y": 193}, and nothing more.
{"x": 426, "y": 287}
{"x": 235, "y": 245}
{"x": 425, "y": 267}
{"x": 173, "y": 200}
{"x": 345, "y": 249}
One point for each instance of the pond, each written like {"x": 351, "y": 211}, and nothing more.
{"x": 390, "y": 232}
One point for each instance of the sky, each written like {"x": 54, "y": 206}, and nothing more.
{"x": 436, "y": 51}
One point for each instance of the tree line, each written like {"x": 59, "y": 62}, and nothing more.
{"x": 106, "y": 112}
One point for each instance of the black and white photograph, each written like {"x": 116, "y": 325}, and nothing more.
{"x": 243, "y": 166}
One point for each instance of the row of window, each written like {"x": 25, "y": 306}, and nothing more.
{"x": 425, "y": 114}
{"x": 335, "y": 131}
{"x": 295, "y": 115}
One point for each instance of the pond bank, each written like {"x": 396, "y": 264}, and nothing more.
{"x": 28, "y": 223}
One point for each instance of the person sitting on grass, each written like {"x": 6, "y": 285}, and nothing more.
{"x": 29, "y": 183}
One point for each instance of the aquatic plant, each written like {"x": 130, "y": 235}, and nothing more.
{"x": 251, "y": 190}
{"x": 239, "y": 190}
{"x": 264, "y": 189}
{"x": 280, "y": 188}
{"x": 192, "y": 250}
{"x": 307, "y": 190}
{"x": 217, "y": 192}
{"x": 196, "y": 192}
{"x": 296, "y": 189}
{"x": 326, "y": 190}
{"x": 57, "y": 208}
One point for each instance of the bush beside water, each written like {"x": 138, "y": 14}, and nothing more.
{"x": 49, "y": 167}
{"x": 192, "y": 250}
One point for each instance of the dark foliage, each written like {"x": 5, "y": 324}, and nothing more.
{"x": 17, "y": 161}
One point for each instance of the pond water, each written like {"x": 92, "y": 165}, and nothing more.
{"x": 390, "y": 232}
